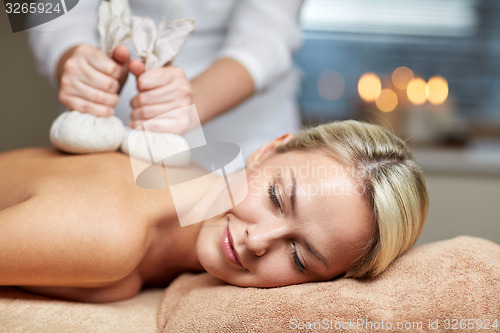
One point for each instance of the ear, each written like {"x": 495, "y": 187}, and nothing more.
{"x": 268, "y": 148}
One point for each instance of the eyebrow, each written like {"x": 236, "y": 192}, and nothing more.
{"x": 309, "y": 247}
{"x": 293, "y": 193}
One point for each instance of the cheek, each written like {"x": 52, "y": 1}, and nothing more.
{"x": 275, "y": 272}
{"x": 207, "y": 244}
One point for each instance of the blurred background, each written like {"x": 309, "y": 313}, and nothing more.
{"x": 427, "y": 70}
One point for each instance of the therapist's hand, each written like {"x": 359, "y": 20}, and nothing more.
{"x": 161, "y": 90}
{"x": 90, "y": 80}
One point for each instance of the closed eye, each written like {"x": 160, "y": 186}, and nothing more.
{"x": 271, "y": 190}
{"x": 296, "y": 260}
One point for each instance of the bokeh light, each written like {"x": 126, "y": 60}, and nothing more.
{"x": 369, "y": 87}
{"x": 387, "y": 100}
{"x": 417, "y": 91}
{"x": 401, "y": 76}
{"x": 438, "y": 89}
{"x": 331, "y": 85}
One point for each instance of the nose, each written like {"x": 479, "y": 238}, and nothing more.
{"x": 262, "y": 236}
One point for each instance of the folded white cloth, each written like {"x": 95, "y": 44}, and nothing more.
{"x": 157, "y": 46}
{"x": 113, "y": 24}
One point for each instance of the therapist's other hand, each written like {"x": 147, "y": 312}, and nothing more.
{"x": 90, "y": 80}
{"x": 161, "y": 90}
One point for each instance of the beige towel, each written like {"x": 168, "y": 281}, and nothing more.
{"x": 436, "y": 287}
{"x": 25, "y": 313}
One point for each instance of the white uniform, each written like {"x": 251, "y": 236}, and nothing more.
{"x": 260, "y": 34}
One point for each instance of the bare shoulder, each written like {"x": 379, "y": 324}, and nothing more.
{"x": 71, "y": 220}
{"x": 26, "y": 169}
{"x": 67, "y": 244}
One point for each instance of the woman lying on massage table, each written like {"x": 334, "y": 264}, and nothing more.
{"x": 342, "y": 199}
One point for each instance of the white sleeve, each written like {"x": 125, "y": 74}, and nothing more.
{"x": 50, "y": 40}
{"x": 262, "y": 36}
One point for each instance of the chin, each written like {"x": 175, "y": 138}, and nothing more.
{"x": 211, "y": 256}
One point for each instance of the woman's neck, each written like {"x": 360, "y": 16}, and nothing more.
{"x": 172, "y": 244}
{"x": 172, "y": 251}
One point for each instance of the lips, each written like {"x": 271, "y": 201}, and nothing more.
{"x": 228, "y": 247}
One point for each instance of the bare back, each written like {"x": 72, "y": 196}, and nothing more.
{"x": 77, "y": 220}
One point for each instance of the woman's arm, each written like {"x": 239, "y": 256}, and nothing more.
{"x": 257, "y": 50}
{"x": 51, "y": 40}
{"x": 262, "y": 36}
{"x": 117, "y": 291}
{"x": 58, "y": 240}
{"x": 225, "y": 84}
{"x": 221, "y": 87}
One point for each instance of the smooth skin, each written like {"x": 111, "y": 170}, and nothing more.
{"x": 91, "y": 81}
{"x": 78, "y": 227}
{"x": 313, "y": 231}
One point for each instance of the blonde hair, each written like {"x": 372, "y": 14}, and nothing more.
{"x": 394, "y": 186}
